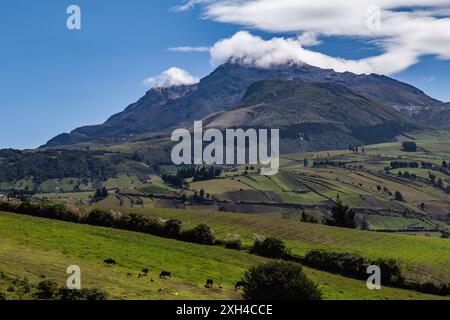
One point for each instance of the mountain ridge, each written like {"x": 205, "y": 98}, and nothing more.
{"x": 163, "y": 109}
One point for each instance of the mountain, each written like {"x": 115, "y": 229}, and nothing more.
{"x": 313, "y": 116}
{"x": 436, "y": 117}
{"x": 163, "y": 109}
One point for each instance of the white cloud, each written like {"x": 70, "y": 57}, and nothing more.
{"x": 408, "y": 30}
{"x": 189, "y": 49}
{"x": 253, "y": 50}
{"x": 309, "y": 39}
{"x": 171, "y": 77}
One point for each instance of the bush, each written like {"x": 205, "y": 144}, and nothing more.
{"x": 47, "y": 290}
{"x": 233, "y": 241}
{"x": 43, "y": 210}
{"x": 2, "y": 296}
{"x": 271, "y": 248}
{"x": 101, "y": 218}
{"x": 83, "y": 294}
{"x": 201, "y": 234}
{"x": 353, "y": 265}
{"x": 391, "y": 271}
{"x": 139, "y": 223}
{"x": 279, "y": 280}
{"x": 172, "y": 229}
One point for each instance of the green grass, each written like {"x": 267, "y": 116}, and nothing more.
{"x": 36, "y": 248}
{"x": 420, "y": 257}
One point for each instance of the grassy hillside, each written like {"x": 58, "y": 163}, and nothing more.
{"x": 38, "y": 248}
{"x": 422, "y": 258}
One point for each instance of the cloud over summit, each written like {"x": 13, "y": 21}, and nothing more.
{"x": 404, "y": 31}
{"x": 171, "y": 77}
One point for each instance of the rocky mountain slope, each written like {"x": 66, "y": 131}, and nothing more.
{"x": 314, "y": 116}
{"x": 163, "y": 109}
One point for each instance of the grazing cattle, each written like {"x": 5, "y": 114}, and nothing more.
{"x": 165, "y": 274}
{"x": 239, "y": 284}
{"x": 110, "y": 262}
{"x": 209, "y": 283}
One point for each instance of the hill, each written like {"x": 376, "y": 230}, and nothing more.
{"x": 51, "y": 246}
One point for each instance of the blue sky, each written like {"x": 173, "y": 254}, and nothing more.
{"x": 53, "y": 80}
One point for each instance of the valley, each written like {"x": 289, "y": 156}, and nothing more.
{"x": 360, "y": 180}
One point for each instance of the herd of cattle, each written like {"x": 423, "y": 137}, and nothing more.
{"x": 167, "y": 274}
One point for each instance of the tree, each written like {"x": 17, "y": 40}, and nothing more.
{"x": 271, "y": 248}
{"x": 172, "y": 228}
{"x": 409, "y": 146}
{"x": 399, "y": 196}
{"x": 342, "y": 216}
{"x": 100, "y": 194}
{"x": 201, "y": 234}
{"x": 99, "y": 217}
{"x": 279, "y": 280}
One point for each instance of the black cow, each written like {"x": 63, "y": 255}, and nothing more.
{"x": 110, "y": 262}
{"x": 209, "y": 283}
{"x": 165, "y": 274}
{"x": 239, "y": 284}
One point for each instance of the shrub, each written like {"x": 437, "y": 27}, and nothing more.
{"x": 139, "y": 223}
{"x": 271, "y": 248}
{"x": 43, "y": 210}
{"x": 101, "y": 218}
{"x": 201, "y": 234}
{"x": 172, "y": 228}
{"x": 391, "y": 271}
{"x": 234, "y": 242}
{"x": 354, "y": 265}
{"x": 279, "y": 280}
{"x": 83, "y": 294}
{"x": 47, "y": 290}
